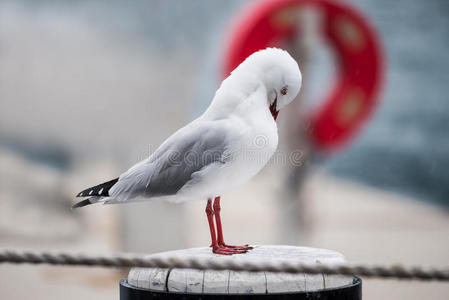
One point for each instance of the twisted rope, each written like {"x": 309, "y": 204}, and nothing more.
{"x": 130, "y": 260}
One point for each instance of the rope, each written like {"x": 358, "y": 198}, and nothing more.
{"x": 222, "y": 263}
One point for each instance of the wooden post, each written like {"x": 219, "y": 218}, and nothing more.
{"x": 155, "y": 283}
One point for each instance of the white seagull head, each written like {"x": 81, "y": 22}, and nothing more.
{"x": 280, "y": 74}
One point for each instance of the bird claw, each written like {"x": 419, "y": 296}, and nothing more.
{"x": 227, "y": 251}
{"x": 244, "y": 247}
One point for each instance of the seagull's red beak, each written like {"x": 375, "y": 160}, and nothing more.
{"x": 273, "y": 110}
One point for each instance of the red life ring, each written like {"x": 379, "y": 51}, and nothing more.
{"x": 353, "y": 39}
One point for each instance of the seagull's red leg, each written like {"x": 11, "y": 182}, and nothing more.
{"x": 210, "y": 219}
{"x": 221, "y": 241}
{"x": 215, "y": 247}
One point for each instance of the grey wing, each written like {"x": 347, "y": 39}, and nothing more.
{"x": 172, "y": 165}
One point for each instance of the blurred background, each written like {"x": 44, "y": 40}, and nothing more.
{"x": 88, "y": 88}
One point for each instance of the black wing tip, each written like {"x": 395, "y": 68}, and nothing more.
{"x": 98, "y": 190}
{"x": 86, "y": 193}
{"x": 83, "y": 193}
{"x": 81, "y": 204}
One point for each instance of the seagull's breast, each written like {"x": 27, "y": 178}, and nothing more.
{"x": 261, "y": 141}
{"x": 255, "y": 148}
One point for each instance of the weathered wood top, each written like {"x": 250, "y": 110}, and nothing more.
{"x": 212, "y": 282}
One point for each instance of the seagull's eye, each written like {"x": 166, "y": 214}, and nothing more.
{"x": 284, "y": 90}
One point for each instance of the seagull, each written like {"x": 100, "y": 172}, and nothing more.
{"x": 220, "y": 150}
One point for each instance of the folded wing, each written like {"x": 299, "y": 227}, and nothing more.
{"x": 173, "y": 165}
